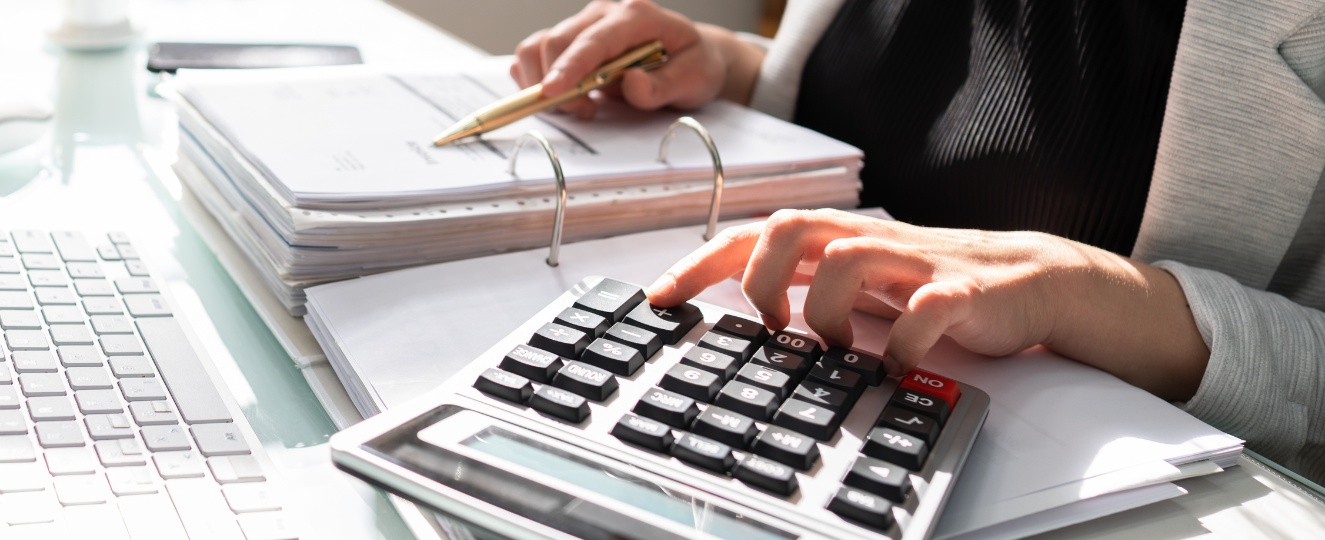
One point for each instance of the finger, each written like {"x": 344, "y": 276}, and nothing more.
{"x": 688, "y": 80}
{"x": 789, "y": 238}
{"x": 847, "y": 267}
{"x": 635, "y": 22}
{"x": 717, "y": 260}
{"x": 559, "y": 37}
{"x": 932, "y": 310}
{"x": 581, "y": 107}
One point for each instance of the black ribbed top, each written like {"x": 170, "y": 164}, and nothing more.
{"x": 1000, "y": 114}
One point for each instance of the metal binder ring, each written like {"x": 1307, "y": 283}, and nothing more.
{"x": 716, "y": 202}
{"x": 554, "y": 252}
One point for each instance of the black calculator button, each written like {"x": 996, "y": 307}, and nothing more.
{"x": 922, "y": 403}
{"x": 671, "y": 324}
{"x": 774, "y": 381}
{"x": 838, "y": 377}
{"x": 704, "y": 452}
{"x": 769, "y": 475}
{"x": 536, "y": 364}
{"x": 588, "y": 381}
{"x": 802, "y": 417}
{"x": 560, "y": 403}
{"x": 669, "y": 408}
{"x": 692, "y": 382}
{"x": 896, "y": 447}
{"x": 792, "y": 364}
{"x": 611, "y": 299}
{"x": 803, "y": 345}
{"x": 613, "y": 356}
{"x": 823, "y": 395}
{"x": 507, "y": 386}
{"x": 722, "y": 365}
{"x": 752, "y": 331}
{"x": 738, "y": 348}
{"x": 910, "y": 423}
{"x": 869, "y": 367}
{"x": 749, "y": 400}
{"x": 644, "y": 432}
{"x": 880, "y": 478}
{"x": 588, "y": 322}
{"x": 560, "y": 340}
{"x": 637, "y": 338}
{"x": 862, "y": 507}
{"x": 727, "y": 427}
{"x": 787, "y": 447}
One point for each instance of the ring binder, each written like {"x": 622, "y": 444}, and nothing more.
{"x": 554, "y": 251}
{"x": 716, "y": 201}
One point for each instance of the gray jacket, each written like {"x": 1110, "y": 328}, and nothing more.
{"x": 1236, "y": 209}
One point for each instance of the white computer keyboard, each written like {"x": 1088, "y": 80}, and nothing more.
{"x": 605, "y": 417}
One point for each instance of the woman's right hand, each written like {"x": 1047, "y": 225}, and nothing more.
{"x": 704, "y": 61}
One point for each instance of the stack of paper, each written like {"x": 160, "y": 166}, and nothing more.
{"x": 326, "y": 173}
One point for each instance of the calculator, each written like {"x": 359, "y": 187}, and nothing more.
{"x": 604, "y": 416}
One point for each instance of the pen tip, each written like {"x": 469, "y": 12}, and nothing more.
{"x": 464, "y": 128}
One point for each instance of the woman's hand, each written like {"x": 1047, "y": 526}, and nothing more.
{"x": 995, "y": 293}
{"x": 704, "y": 61}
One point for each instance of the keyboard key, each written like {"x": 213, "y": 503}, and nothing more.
{"x": 151, "y": 517}
{"x": 62, "y": 461}
{"x": 108, "y": 426}
{"x": 800, "y": 344}
{"x": 588, "y": 381}
{"x": 178, "y": 464}
{"x": 29, "y": 508}
{"x": 10, "y": 282}
{"x": 73, "y": 246}
{"x": 84, "y": 270}
{"x": 98, "y": 305}
{"x": 5, "y": 377}
{"x": 131, "y": 481}
{"x": 203, "y": 511}
{"x": 692, "y": 382}
{"x": 81, "y": 490}
{"x": 667, "y": 407}
{"x": 504, "y": 385}
{"x": 794, "y": 365}
{"x": 925, "y": 404}
{"x": 127, "y": 251}
{"x": 703, "y": 452}
{"x": 749, "y": 400}
{"x": 79, "y": 356}
{"x": 532, "y": 363}
{"x": 34, "y": 362}
{"x": 16, "y": 449}
{"x": 644, "y": 432}
{"x": 146, "y": 305}
{"x": 611, "y": 299}
{"x": 724, "y": 426}
{"x": 32, "y": 241}
{"x": 824, "y": 396}
{"x": 53, "y": 296}
{"x": 59, "y": 434}
{"x": 787, "y": 447}
{"x": 560, "y": 403}
{"x": 158, "y": 438}
{"x": 50, "y": 408}
{"x": 774, "y": 381}
{"x": 93, "y": 287}
{"x": 131, "y": 366}
{"x": 98, "y": 402}
{"x": 590, "y": 323}
{"x": 12, "y": 423}
{"x": 62, "y": 314}
{"x": 6, "y": 248}
{"x": 752, "y": 331}
{"x": 560, "y": 340}
{"x": 40, "y": 261}
{"x": 15, "y": 300}
{"x": 118, "y": 237}
{"x": 928, "y": 383}
{"x": 244, "y": 498}
{"x": 8, "y": 397}
{"x": 120, "y": 453}
{"x": 136, "y": 286}
{"x": 8, "y": 265}
{"x": 20, "y": 477}
{"x": 219, "y": 439}
{"x": 19, "y": 320}
{"x": 613, "y": 357}
{"x": 41, "y": 384}
{"x": 182, "y": 371}
{"x": 152, "y": 413}
{"x": 267, "y": 526}
{"x": 26, "y": 340}
{"x": 135, "y": 268}
{"x": 89, "y": 378}
{"x": 896, "y": 447}
{"x": 47, "y": 278}
{"x": 108, "y": 252}
{"x": 235, "y": 469}
{"x": 71, "y": 334}
{"x": 765, "y": 474}
{"x": 803, "y": 417}
{"x": 911, "y": 423}
{"x": 735, "y": 347}
{"x": 671, "y": 323}
{"x": 142, "y": 389}
{"x": 831, "y": 374}
{"x": 880, "y": 478}
{"x": 121, "y": 346}
{"x": 722, "y": 365}
{"x": 862, "y": 507}
{"x": 644, "y": 341}
{"x": 111, "y": 324}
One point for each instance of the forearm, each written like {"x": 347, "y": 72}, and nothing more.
{"x": 1125, "y": 317}
{"x": 742, "y": 61}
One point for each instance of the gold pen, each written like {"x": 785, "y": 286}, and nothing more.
{"x": 530, "y": 101}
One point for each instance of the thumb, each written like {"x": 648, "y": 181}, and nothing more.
{"x": 932, "y": 310}
{"x": 684, "y": 82}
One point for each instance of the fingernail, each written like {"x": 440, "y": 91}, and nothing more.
{"x": 892, "y": 366}
{"x": 664, "y": 286}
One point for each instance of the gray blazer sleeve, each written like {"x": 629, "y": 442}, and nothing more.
{"x": 1265, "y": 380}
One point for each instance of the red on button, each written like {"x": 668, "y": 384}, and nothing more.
{"x": 934, "y": 385}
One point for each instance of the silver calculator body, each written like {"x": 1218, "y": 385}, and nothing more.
{"x": 511, "y": 470}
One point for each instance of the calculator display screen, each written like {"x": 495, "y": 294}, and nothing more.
{"x": 689, "y": 512}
